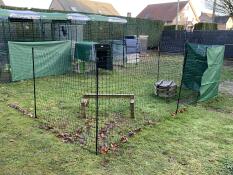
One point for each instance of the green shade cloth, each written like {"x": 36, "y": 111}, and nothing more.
{"x": 54, "y": 16}
{"x": 4, "y": 14}
{"x": 85, "y": 51}
{"x": 51, "y": 58}
{"x": 102, "y": 18}
{"x": 64, "y": 16}
{"x": 202, "y": 69}
{"x": 98, "y": 18}
{"x": 117, "y": 20}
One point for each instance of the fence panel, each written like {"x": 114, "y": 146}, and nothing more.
{"x": 173, "y": 41}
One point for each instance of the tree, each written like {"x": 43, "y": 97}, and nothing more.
{"x": 214, "y": 10}
{"x": 224, "y": 7}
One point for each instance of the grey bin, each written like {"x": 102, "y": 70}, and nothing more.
{"x": 143, "y": 40}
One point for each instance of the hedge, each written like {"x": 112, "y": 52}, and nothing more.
{"x": 97, "y": 31}
{"x": 173, "y": 27}
{"x": 152, "y": 28}
{"x": 206, "y": 26}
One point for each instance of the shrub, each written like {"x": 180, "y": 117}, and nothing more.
{"x": 152, "y": 28}
{"x": 206, "y": 26}
{"x": 173, "y": 27}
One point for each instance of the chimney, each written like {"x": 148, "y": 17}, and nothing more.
{"x": 129, "y": 14}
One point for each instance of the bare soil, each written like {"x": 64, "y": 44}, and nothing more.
{"x": 227, "y": 87}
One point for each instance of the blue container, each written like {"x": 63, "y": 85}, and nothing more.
{"x": 132, "y": 45}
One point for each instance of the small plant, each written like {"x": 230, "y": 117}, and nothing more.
{"x": 228, "y": 166}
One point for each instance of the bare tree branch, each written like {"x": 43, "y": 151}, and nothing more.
{"x": 224, "y": 7}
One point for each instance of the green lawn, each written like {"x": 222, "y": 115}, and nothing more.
{"x": 198, "y": 141}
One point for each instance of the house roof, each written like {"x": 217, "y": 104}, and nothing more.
{"x": 221, "y": 19}
{"x": 85, "y": 6}
{"x": 206, "y": 17}
{"x": 1, "y": 2}
{"x": 165, "y": 11}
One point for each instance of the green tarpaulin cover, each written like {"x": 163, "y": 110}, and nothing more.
{"x": 202, "y": 70}
{"x": 85, "y": 51}
{"x": 51, "y": 58}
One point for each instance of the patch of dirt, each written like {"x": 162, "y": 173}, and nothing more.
{"x": 227, "y": 87}
{"x": 219, "y": 111}
{"x": 21, "y": 110}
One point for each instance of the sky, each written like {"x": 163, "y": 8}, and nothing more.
{"x": 122, "y": 6}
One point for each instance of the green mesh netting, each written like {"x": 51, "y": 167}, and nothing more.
{"x": 56, "y": 54}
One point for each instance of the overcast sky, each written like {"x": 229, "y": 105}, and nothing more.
{"x": 122, "y": 6}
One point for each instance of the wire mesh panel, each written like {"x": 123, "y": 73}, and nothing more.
{"x": 127, "y": 99}
{"x": 169, "y": 72}
{"x": 61, "y": 103}
{"x": 96, "y": 86}
{"x": 19, "y": 94}
{"x": 4, "y": 60}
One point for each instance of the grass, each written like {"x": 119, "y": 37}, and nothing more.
{"x": 198, "y": 141}
{"x": 58, "y": 102}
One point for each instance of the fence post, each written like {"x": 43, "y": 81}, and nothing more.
{"x": 34, "y": 81}
{"x": 182, "y": 80}
{"x": 97, "y": 107}
{"x": 159, "y": 54}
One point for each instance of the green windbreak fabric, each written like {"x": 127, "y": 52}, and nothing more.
{"x": 51, "y": 58}
{"x": 195, "y": 66}
{"x": 211, "y": 78}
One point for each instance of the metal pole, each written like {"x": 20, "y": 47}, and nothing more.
{"x": 22, "y": 26}
{"x": 137, "y": 45}
{"x": 97, "y": 106}
{"x": 40, "y": 24}
{"x": 123, "y": 43}
{"x": 9, "y": 29}
{"x": 33, "y": 31}
{"x": 34, "y": 81}
{"x": 184, "y": 65}
{"x": 158, "y": 73}
{"x": 177, "y": 15}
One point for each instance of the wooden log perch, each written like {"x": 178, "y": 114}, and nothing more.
{"x": 86, "y": 97}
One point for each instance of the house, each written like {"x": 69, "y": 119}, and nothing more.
{"x": 86, "y": 6}
{"x": 167, "y": 12}
{"x": 206, "y": 17}
{"x": 1, "y": 3}
{"x": 224, "y": 22}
